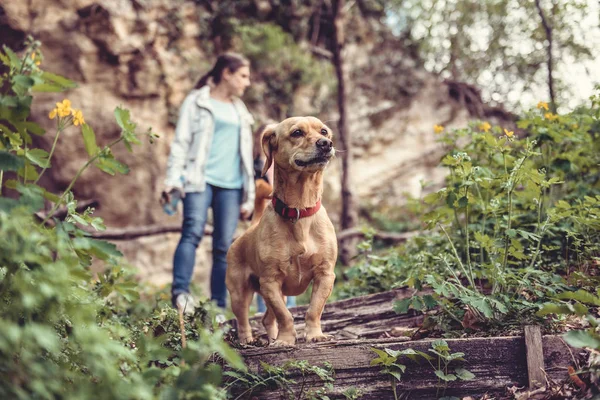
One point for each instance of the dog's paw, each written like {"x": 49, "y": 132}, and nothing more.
{"x": 318, "y": 338}
{"x": 282, "y": 342}
{"x": 246, "y": 340}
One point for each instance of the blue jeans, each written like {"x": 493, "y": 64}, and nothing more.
{"x": 226, "y": 210}
{"x": 261, "y": 306}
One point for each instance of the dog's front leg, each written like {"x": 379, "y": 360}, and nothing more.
{"x": 271, "y": 291}
{"x": 322, "y": 286}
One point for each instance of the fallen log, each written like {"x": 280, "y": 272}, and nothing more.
{"x": 497, "y": 363}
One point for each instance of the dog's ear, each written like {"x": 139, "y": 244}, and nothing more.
{"x": 269, "y": 145}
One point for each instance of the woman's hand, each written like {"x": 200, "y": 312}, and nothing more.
{"x": 165, "y": 196}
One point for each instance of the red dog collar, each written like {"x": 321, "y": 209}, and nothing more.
{"x": 294, "y": 214}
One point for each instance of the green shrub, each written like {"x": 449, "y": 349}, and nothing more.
{"x": 516, "y": 224}
{"x": 65, "y": 333}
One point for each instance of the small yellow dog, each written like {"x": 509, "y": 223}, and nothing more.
{"x": 294, "y": 242}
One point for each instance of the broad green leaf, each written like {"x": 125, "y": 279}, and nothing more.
{"x": 445, "y": 377}
{"x": 66, "y": 83}
{"x": 401, "y": 306}
{"x": 122, "y": 117}
{"x": 103, "y": 249}
{"x": 554, "y": 308}
{"x": 464, "y": 374}
{"x": 89, "y": 140}
{"x": 395, "y": 374}
{"x": 39, "y": 157}
{"x": 111, "y": 166}
{"x": 15, "y": 61}
{"x": 28, "y": 172}
{"x": 33, "y": 128}
{"x": 10, "y": 162}
{"x": 582, "y": 339}
{"x": 582, "y": 296}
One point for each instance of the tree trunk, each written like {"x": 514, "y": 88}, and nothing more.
{"x": 548, "y": 30}
{"x": 348, "y": 215}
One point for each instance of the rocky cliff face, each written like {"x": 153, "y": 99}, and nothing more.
{"x": 145, "y": 55}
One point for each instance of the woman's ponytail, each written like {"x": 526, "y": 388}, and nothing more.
{"x": 231, "y": 61}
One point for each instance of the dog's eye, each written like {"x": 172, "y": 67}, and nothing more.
{"x": 297, "y": 133}
{"x": 324, "y": 132}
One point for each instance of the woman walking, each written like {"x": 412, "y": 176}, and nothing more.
{"x": 211, "y": 166}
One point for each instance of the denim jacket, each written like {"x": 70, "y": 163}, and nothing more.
{"x": 191, "y": 146}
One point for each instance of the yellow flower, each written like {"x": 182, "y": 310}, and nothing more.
{"x": 509, "y": 133}
{"x": 550, "y": 116}
{"x": 78, "y": 117}
{"x": 543, "y": 105}
{"x": 38, "y": 62}
{"x": 33, "y": 55}
{"x": 53, "y": 113}
{"x": 64, "y": 108}
{"x": 438, "y": 128}
{"x": 484, "y": 126}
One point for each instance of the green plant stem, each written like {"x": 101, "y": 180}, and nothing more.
{"x": 505, "y": 260}
{"x": 59, "y": 130}
{"x": 468, "y": 243}
{"x": 393, "y": 382}
{"x": 83, "y": 168}
{"x": 539, "y": 244}
{"x": 452, "y": 271}
{"x": 462, "y": 266}
{"x": 25, "y": 166}
{"x": 481, "y": 256}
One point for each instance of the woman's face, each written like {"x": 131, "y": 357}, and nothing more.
{"x": 237, "y": 81}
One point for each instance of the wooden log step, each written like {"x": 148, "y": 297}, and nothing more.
{"x": 497, "y": 363}
{"x": 370, "y": 316}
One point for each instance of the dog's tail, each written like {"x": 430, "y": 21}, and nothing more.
{"x": 264, "y": 192}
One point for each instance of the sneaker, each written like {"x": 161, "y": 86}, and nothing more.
{"x": 220, "y": 319}
{"x": 186, "y": 302}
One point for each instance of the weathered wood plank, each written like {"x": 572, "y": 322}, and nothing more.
{"x": 535, "y": 356}
{"x": 496, "y": 362}
{"x": 360, "y": 317}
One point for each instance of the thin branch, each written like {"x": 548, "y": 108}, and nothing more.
{"x": 129, "y": 233}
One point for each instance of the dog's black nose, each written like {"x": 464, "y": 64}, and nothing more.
{"x": 324, "y": 144}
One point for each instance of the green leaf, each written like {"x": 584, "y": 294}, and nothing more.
{"x": 15, "y": 61}
{"x": 39, "y": 157}
{"x": 429, "y": 301}
{"x": 10, "y": 162}
{"x": 30, "y": 173}
{"x": 122, "y": 117}
{"x": 111, "y": 166}
{"x": 582, "y": 339}
{"x": 33, "y": 128}
{"x": 89, "y": 140}
{"x": 46, "y": 88}
{"x": 582, "y": 296}
{"x": 401, "y": 306}
{"x": 464, "y": 374}
{"x": 102, "y": 249}
{"x": 554, "y": 308}
{"x": 395, "y": 374}
{"x": 61, "y": 81}
{"x": 445, "y": 377}
{"x": 23, "y": 81}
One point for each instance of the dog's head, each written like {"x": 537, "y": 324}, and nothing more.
{"x": 298, "y": 143}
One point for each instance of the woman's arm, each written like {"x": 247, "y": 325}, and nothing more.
{"x": 181, "y": 144}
